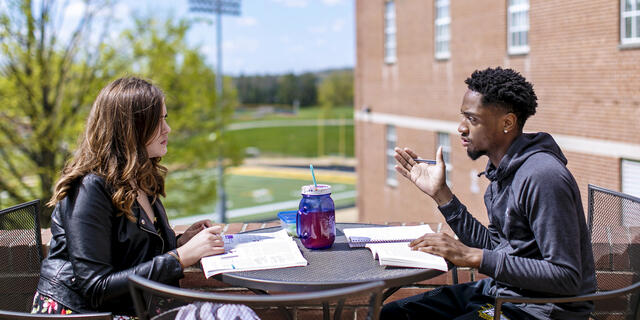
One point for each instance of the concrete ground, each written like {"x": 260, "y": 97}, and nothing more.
{"x": 347, "y": 215}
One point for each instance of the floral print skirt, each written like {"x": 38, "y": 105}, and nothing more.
{"x": 47, "y": 305}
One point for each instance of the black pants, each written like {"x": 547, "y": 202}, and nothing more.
{"x": 461, "y": 302}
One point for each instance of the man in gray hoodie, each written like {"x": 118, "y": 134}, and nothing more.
{"x": 537, "y": 242}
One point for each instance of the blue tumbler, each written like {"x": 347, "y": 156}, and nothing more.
{"x": 316, "y": 219}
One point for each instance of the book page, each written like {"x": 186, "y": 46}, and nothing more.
{"x": 400, "y": 254}
{"x": 386, "y": 234}
{"x": 232, "y": 240}
{"x": 245, "y": 254}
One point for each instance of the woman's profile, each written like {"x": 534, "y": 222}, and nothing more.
{"x": 108, "y": 221}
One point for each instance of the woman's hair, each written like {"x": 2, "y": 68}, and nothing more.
{"x": 124, "y": 117}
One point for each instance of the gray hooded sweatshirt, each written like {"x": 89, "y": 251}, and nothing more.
{"x": 537, "y": 243}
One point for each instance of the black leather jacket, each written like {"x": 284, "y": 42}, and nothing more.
{"x": 93, "y": 250}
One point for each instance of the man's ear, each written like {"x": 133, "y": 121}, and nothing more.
{"x": 509, "y": 122}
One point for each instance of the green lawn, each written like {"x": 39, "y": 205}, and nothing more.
{"x": 342, "y": 112}
{"x": 189, "y": 190}
{"x": 249, "y": 191}
{"x": 296, "y": 141}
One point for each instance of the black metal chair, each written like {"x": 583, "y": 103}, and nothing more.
{"x": 614, "y": 224}
{"x": 147, "y": 293}
{"x": 21, "y": 251}
{"x": 10, "y": 315}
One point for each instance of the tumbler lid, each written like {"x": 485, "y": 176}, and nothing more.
{"x": 313, "y": 191}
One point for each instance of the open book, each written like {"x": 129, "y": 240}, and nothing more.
{"x": 359, "y": 237}
{"x": 399, "y": 254}
{"x": 254, "y": 251}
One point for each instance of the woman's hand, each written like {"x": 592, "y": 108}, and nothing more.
{"x": 205, "y": 243}
{"x": 431, "y": 179}
{"x": 193, "y": 230}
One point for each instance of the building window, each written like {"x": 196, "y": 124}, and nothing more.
{"x": 518, "y": 27}
{"x": 445, "y": 143}
{"x": 390, "y": 32}
{"x": 442, "y": 29}
{"x": 629, "y": 21}
{"x": 630, "y": 185}
{"x": 631, "y": 177}
{"x": 392, "y": 139}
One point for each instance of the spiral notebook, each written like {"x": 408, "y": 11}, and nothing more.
{"x": 359, "y": 237}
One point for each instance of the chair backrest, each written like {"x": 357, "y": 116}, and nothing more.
{"x": 614, "y": 221}
{"x": 9, "y": 315}
{"x": 21, "y": 252}
{"x": 146, "y": 295}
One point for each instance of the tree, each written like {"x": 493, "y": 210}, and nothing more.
{"x": 284, "y": 89}
{"x": 47, "y": 83}
{"x": 49, "y": 79}
{"x": 336, "y": 89}
{"x": 308, "y": 89}
{"x": 160, "y": 52}
{"x": 288, "y": 89}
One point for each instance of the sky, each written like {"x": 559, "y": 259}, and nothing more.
{"x": 269, "y": 36}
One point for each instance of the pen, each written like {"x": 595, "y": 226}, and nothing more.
{"x": 425, "y": 161}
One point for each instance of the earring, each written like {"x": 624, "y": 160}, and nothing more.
{"x": 505, "y": 131}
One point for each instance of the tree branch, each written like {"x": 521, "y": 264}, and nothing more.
{"x": 31, "y": 112}
{"x": 16, "y": 175}
{"x": 13, "y": 138}
{"x": 12, "y": 194}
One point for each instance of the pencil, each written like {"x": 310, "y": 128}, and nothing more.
{"x": 427, "y": 161}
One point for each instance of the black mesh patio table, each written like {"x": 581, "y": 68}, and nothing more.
{"x": 338, "y": 266}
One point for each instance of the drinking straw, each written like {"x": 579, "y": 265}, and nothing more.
{"x": 313, "y": 176}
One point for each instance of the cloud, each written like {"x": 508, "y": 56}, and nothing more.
{"x": 333, "y": 2}
{"x": 240, "y": 44}
{"x": 296, "y": 48}
{"x": 246, "y": 21}
{"x": 284, "y": 39}
{"x": 338, "y": 25}
{"x": 320, "y": 42}
{"x": 121, "y": 10}
{"x": 317, "y": 29}
{"x": 293, "y": 3}
{"x": 75, "y": 10}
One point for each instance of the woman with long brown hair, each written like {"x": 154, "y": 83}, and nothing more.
{"x": 108, "y": 221}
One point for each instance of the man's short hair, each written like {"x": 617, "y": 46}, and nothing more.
{"x": 507, "y": 89}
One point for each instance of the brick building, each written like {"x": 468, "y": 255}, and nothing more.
{"x": 582, "y": 56}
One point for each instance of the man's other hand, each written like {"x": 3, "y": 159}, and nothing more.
{"x": 431, "y": 179}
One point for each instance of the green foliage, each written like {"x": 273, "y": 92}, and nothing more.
{"x": 47, "y": 83}
{"x": 162, "y": 54}
{"x": 284, "y": 89}
{"x": 257, "y": 89}
{"x": 336, "y": 89}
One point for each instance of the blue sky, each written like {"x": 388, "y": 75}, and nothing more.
{"x": 270, "y": 36}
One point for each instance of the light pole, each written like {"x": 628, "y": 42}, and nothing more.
{"x": 218, "y": 7}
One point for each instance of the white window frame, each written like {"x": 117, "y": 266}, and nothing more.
{"x": 634, "y": 15}
{"x": 630, "y": 172}
{"x": 630, "y": 177}
{"x": 390, "y": 40}
{"x": 518, "y": 26}
{"x": 444, "y": 141}
{"x": 442, "y": 29}
{"x": 391, "y": 141}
